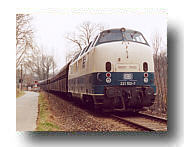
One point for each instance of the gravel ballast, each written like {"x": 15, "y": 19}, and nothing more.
{"x": 71, "y": 118}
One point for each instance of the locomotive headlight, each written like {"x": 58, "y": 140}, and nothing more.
{"x": 145, "y": 80}
{"x": 108, "y": 80}
{"x": 108, "y": 74}
{"x": 145, "y": 74}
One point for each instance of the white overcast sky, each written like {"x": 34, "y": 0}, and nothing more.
{"x": 51, "y": 26}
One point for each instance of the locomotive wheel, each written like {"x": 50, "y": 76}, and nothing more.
{"x": 69, "y": 96}
{"x": 97, "y": 110}
{"x": 88, "y": 102}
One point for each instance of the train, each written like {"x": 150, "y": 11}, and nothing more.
{"x": 114, "y": 72}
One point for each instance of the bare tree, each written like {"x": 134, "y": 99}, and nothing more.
{"x": 35, "y": 64}
{"x": 88, "y": 31}
{"x": 84, "y": 34}
{"x": 42, "y": 65}
{"x": 160, "y": 64}
{"x": 75, "y": 40}
{"x": 23, "y": 37}
{"x": 156, "y": 43}
{"x": 47, "y": 65}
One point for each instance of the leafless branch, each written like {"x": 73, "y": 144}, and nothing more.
{"x": 84, "y": 35}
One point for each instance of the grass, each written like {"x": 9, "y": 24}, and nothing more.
{"x": 43, "y": 121}
{"x": 19, "y": 93}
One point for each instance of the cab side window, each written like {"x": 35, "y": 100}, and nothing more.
{"x": 83, "y": 51}
{"x": 88, "y": 47}
{"x": 76, "y": 57}
{"x": 93, "y": 44}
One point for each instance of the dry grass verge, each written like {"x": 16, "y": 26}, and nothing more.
{"x": 19, "y": 93}
{"x": 44, "y": 122}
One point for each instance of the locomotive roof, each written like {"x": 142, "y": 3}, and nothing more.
{"x": 126, "y": 29}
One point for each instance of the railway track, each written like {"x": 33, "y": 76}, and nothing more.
{"x": 162, "y": 120}
{"x": 143, "y": 122}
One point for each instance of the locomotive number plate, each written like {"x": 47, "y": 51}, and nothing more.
{"x": 127, "y": 83}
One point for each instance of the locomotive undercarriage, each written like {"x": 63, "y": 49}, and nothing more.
{"x": 129, "y": 98}
{"x": 125, "y": 98}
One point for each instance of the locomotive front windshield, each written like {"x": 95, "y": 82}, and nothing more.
{"x": 134, "y": 36}
{"x": 118, "y": 35}
{"x": 109, "y": 36}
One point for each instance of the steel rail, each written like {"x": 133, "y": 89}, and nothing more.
{"x": 134, "y": 125}
{"x": 153, "y": 117}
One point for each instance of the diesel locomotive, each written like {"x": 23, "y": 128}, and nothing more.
{"x": 114, "y": 72}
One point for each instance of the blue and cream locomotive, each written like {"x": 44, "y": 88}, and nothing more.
{"x": 114, "y": 72}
